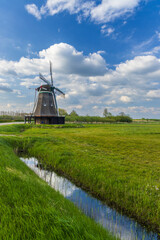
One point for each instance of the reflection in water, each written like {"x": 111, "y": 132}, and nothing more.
{"x": 119, "y": 225}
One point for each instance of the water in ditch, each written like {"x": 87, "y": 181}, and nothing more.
{"x": 119, "y": 225}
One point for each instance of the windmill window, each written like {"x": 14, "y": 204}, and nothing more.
{"x": 51, "y": 104}
{"x": 44, "y": 104}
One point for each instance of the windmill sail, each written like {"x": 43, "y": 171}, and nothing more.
{"x": 59, "y": 91}
{"x": 43, "y": 78}
{"x": 51, "y": 73}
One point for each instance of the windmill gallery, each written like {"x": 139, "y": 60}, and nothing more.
{"x": 45, "y": 110}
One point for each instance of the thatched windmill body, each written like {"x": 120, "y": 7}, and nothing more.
{"x": 45, "y": 108}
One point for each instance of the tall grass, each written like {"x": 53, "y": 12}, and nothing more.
{"x": 30, "y": 209}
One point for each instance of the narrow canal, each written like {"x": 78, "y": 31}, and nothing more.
{"x": 119, "y": 225}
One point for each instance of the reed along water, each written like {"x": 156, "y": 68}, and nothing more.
{"x": 118, "y": 224}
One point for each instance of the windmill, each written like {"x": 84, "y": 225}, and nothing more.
{"x": 45, "y": 108}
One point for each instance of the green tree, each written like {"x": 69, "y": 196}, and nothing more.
{"x": 73, "y": 113}
{"x": 62, "y": 112}
{"x": 106, "y": 113}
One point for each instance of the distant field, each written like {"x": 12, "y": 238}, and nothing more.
{"x": 119, "y": 163}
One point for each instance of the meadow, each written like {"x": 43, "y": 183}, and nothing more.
{"x": 119, "y": 163}
{"x": 30, "y": 209}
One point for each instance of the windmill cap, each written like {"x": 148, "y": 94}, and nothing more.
{"x": 44, "y": 88}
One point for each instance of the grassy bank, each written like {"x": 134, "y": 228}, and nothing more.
{"x": 119, "y": 163}
{"x": 30, "y": 209}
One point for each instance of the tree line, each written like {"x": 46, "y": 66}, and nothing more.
{"x": 107, "y": 117}
{"x": 8, "y": 116}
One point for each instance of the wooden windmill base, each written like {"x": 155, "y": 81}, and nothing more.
{"x": 45, "y": 119}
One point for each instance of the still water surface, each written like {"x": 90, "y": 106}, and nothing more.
{"x": 119, "y": 225}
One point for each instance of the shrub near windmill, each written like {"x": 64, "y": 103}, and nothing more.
{"x": 45, "y": 109}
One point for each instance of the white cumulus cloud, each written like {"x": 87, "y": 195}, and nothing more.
{"x": 108, "y": 10}
{"x": 105, "y": 11}
{"x": 33, "y": 9}
{"x": 67, "y": 59}
{"x": 125, "y": 99}
{"x": 154, "y": 93}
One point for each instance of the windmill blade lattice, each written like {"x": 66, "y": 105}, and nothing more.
{"x": 58, "y": 91}
{"x": 44, "y": 79}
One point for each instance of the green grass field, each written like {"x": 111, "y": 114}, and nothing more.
{"x": 119, "y": 163}
{"x": 30, "y": 209}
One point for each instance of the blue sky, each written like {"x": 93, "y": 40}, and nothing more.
{"x": 105, "y": 54}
